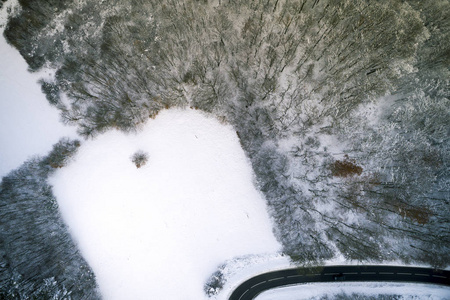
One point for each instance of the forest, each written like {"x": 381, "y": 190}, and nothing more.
{"x": 342, "y": 107}
{"x": 38, "y": 258}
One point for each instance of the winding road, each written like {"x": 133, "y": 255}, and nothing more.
{"x": 254, "y": 286}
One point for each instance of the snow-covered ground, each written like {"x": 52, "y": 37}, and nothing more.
{"x": 28, "y": 124}
{"x": 411, "y": 291}
{"x": 159, "y": 231}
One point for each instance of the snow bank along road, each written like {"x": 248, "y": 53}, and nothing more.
{"x": 258, "y": 284}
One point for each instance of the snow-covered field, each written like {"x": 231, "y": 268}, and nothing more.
{"x": 408, "y": 291}
{"x": 28, "y": 124}
{"x": 159, "y": 231}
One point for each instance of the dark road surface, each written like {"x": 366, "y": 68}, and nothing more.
{"x": 258, "y": 284}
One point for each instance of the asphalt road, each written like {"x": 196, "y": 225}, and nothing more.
{"x": 258, "y": 284}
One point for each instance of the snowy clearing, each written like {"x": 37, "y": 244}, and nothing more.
{"x": 28, "y": 124}
{"x": 159, "y": 231}
{"x": 319, "y": 290}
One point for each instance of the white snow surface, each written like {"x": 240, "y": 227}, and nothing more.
{"x": 28, "y": 124}
{"x": 408, "y": 291}
{"x": 160, "y": 231}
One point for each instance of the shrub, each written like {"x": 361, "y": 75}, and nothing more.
{"x": 214, "y": 284}
{"x": 345, "y": 168}
{"x": 139, "y": 158}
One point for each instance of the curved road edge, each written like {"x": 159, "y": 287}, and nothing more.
{"x": 252, "y": 287}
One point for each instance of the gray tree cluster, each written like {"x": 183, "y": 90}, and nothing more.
{"x": 38, "y": 258}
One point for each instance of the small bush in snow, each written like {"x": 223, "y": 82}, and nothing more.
{"x": 214, "y": 284}
{"x": 139, "y": 158}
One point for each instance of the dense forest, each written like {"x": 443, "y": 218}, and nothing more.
{"x": 341, "y": 106}
{"x": 38, "y": 259}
